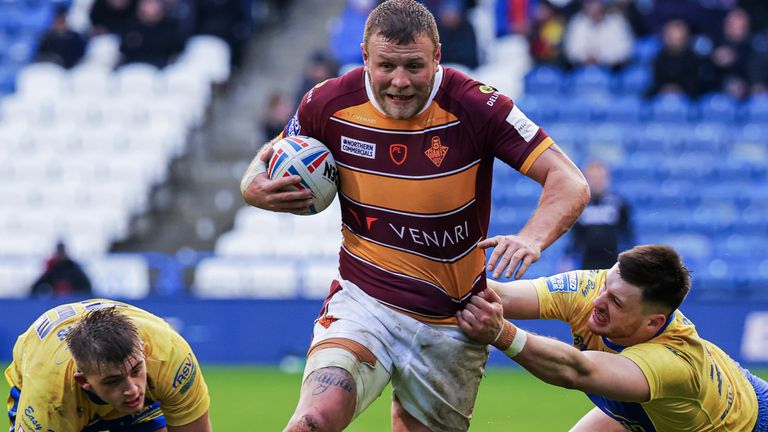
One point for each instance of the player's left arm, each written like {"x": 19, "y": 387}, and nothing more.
{"x": 557, "y": 363}
{"x": 565, "y": 194}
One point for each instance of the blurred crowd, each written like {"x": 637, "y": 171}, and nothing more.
{"x": 697, "y": 46}
{"x": 154, "y": 31}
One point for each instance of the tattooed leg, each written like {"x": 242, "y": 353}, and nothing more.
{"x": 327, "y": 402}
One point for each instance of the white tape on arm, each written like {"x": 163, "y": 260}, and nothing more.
{"x": 510, "y": 339}
{"x": 518, "y": 343}
{"x": 256, "y": 167}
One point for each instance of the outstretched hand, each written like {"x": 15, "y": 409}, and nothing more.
{"x": 483, "y": 317}
{"x": 509, "y": 252}
{"x": 277, "y": 195}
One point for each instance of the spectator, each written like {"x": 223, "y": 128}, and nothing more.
{"x": 62, "y": 277}
{"x": 588, "y": 31}
{"x": 279, "y": 111}
{"x": 758, "y": 66}
{"x": 152, "y": 38}
{"x": 229, "y": 20}
{"x": 730, "y": 56}
{"x": 319, "y": 69}
{"x": 347, "y": 28}
{"x": 676, "y": 67}
{"x": 60, "y": 44}
{"x": 111, "y": 16}
{"x": 604, "y": 227}
{"x": 459, "y": 43}
{"x": 184, "y": 14}
{"x": 758, "y": 13}
{"x": 513, "y": 17}
{"x": 546, "y": 40}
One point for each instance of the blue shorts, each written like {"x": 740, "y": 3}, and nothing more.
{"x": 761, "y": 390}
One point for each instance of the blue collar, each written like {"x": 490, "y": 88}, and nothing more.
{"x": 618, "y": 348}
{"x": 95, "y": 399}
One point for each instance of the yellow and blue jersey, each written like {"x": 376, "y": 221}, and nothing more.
{"x": 45, "y": 397}
{"x": 694, "y": 385}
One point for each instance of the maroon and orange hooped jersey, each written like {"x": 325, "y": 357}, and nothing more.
{"x": 416, "y": 193}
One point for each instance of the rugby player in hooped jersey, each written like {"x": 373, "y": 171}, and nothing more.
{"x": 415, "y": 145}
{"x": 101, "y": 365}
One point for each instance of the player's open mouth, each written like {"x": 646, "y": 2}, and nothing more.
{"x": 135, "y": 403}
{"x": 599, "y": 317}
{"x": 400, "y": 98}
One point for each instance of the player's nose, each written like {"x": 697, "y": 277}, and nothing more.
{"x": 400, "y": 78}
{"x": 131, "y": 389}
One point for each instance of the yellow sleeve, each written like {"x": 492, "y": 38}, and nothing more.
{"x": 34, "y": 411}
{"x": 181, "y": 387}
{"x": 566, "y": 296}
{"x": 668, "y": 374}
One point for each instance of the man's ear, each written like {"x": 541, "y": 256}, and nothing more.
{"x": 657, "y": 321}
{"x": 82, "y": 381}
{"x": 365, "y": 55}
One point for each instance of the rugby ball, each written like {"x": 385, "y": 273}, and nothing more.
{"x": 311, "y": 160}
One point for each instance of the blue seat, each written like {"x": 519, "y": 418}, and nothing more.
{"x": 646, "y": 49}
{"x": 705, "y": 136}
{"x": 634, "y": 80}
{"x": 741, "y": 247}
{"x": 38, "y": 20}
{"x": 7, "y": 80}
{"x": 591, "y": 80}
{"x": 541, "y": 109}
{"x": 574, "y": 133}
{"x": 671, "y": 108}
{"x": 718, "y": 107}
{"x": 573, "y": 110}
{"x": 752, "y": 132}
{"x": 756, "y": 109}
{"x": 544, "y": 80}
{"x": 622, "y": 109}
{"x": 605, "y": 133}
{"x": 695, "y": 166}
{"x": 21, "y": 51}
{"x": 662, "y": 137}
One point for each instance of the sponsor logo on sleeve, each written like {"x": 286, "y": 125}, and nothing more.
{"x": 522, "y": 124}
{"x": 185, "y": 374}
{"x": 358, "y": 148}
{"x": 487, "y": 89}
{"x": 563, "y": 282}
{"x": 30, "y": 420}
{"x": 294, "y": 127}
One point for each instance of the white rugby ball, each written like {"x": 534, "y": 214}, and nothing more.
{"x": 311, "y": 160}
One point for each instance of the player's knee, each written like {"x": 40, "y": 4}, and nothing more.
{"x": 313, "y": 421}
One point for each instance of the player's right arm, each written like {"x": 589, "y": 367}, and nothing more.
{"x": 260, "y": 191}
{"x": 519, "y": 298}
{"x": 611, "y": 375}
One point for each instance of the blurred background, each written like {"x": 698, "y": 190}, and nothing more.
{"x": 125, "y": 126}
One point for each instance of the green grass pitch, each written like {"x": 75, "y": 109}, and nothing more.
{"x": 263, "y": 398}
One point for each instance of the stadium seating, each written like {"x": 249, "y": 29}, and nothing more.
{"x": 81, "y": 149}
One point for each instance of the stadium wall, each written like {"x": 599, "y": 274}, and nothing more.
{"x": 274, "y": 331}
